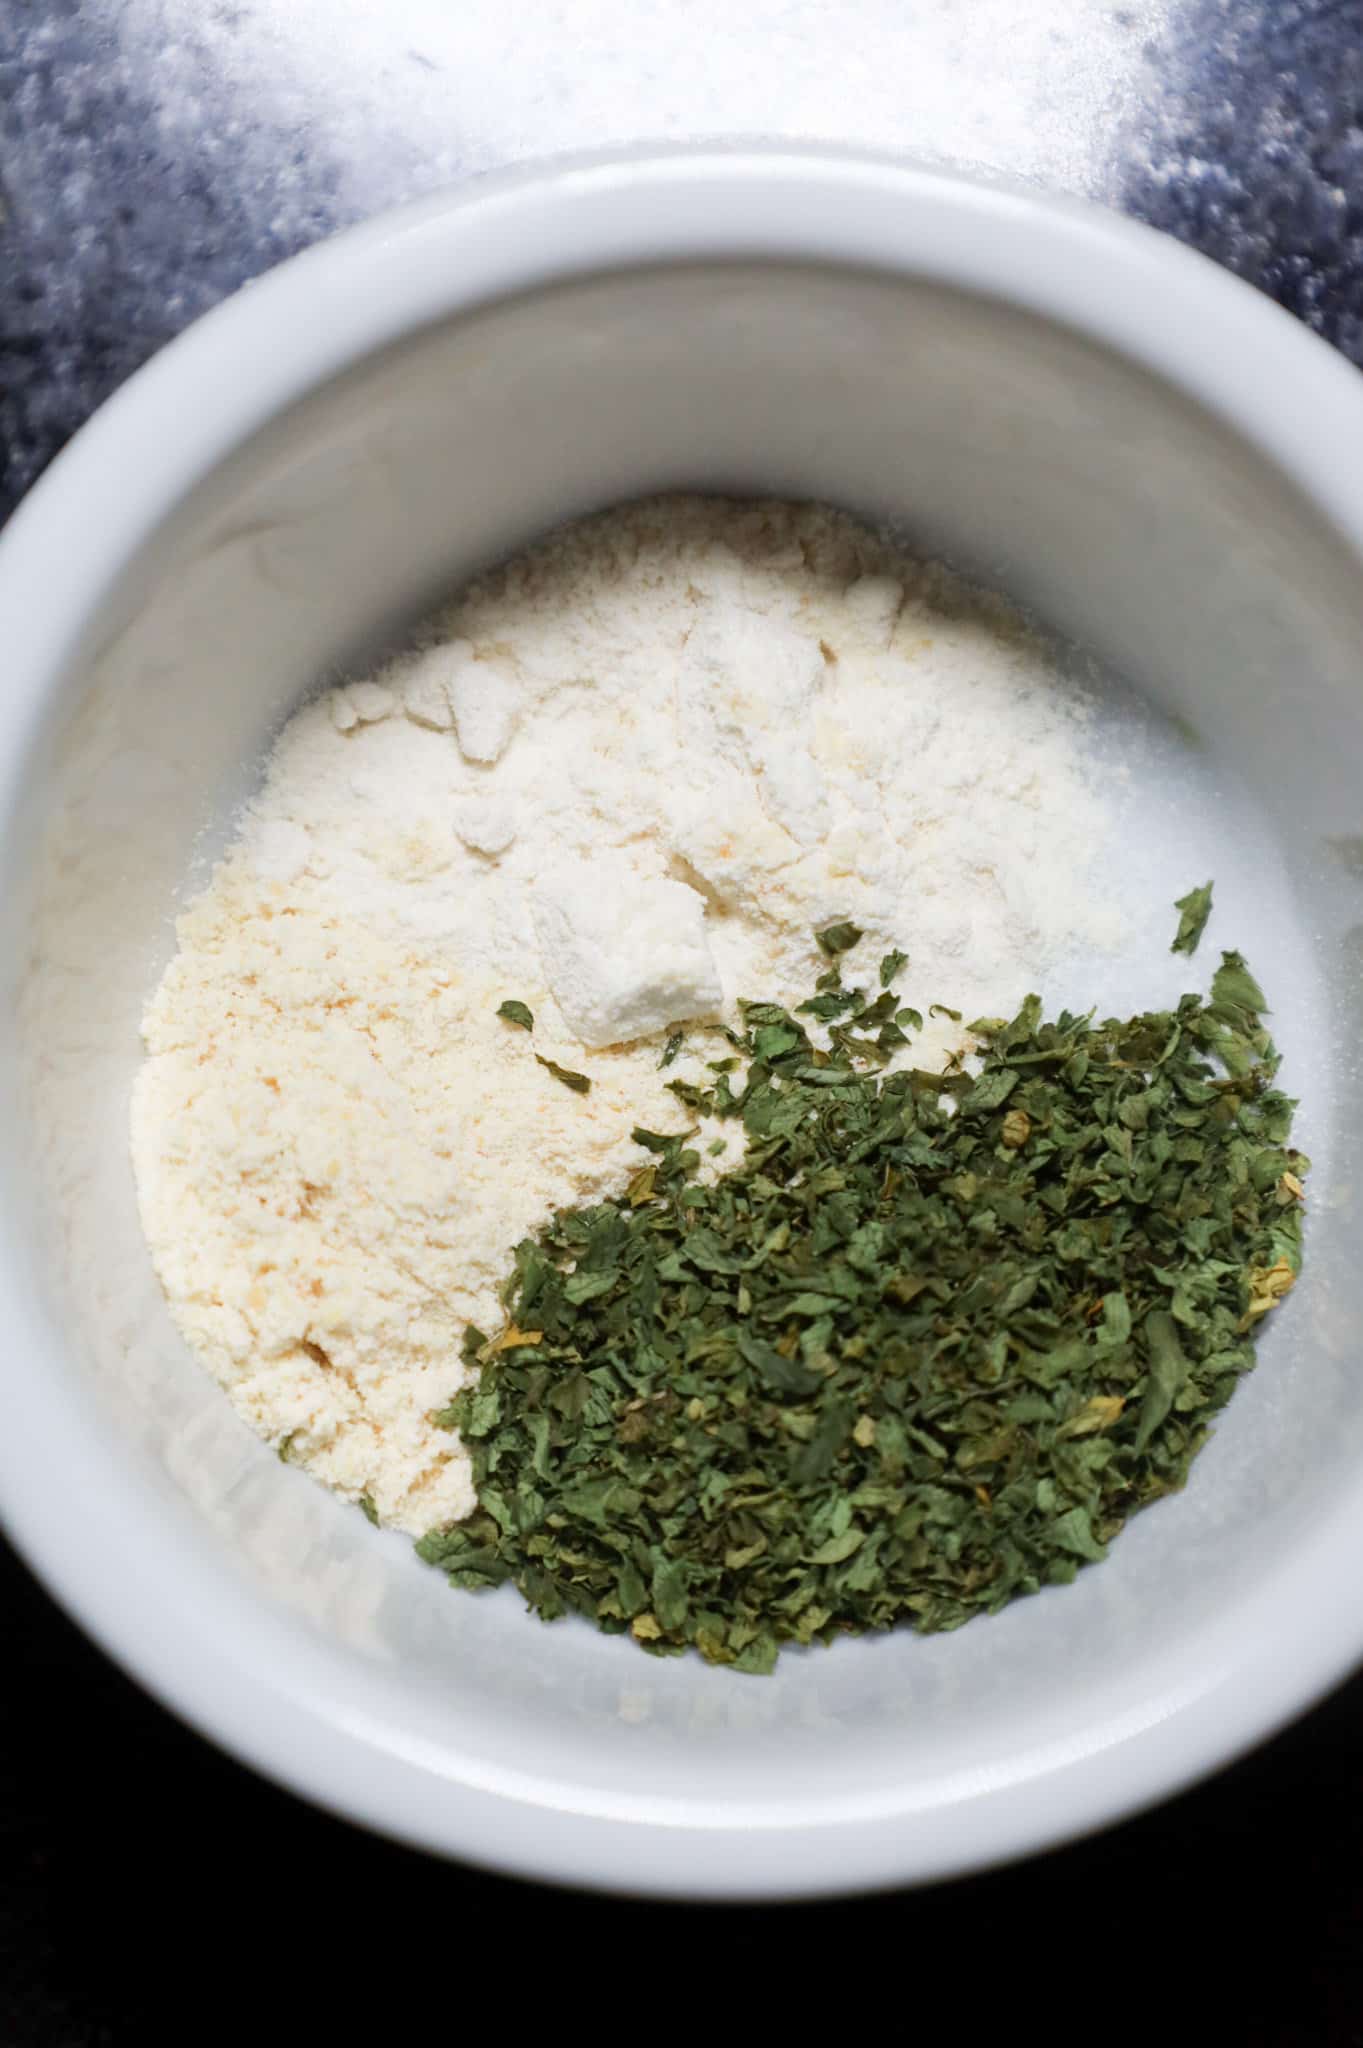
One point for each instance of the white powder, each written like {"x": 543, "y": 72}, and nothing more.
{"x": 623, "y": 954}
{"x": 415, "y": 94}
{"x": 736, "y": 722}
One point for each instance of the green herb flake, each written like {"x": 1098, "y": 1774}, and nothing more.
{"x": 516, "y": 1013}
{"x": 368, "y": 1509}
{"x": 579, "y": 1083}
{"x": 1194, "y": 909}
{"x": 925, "y": 1350}
{"x": 835, "y": 939}
{"x": 672, "y": 1048}
{"x": 1234, "y": 987}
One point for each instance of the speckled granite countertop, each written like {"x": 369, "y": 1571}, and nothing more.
{"x": 155, "y": 154}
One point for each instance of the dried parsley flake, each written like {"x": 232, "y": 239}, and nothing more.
{"x": 579, "y": 1083}
{"x": 1196, "y": 908}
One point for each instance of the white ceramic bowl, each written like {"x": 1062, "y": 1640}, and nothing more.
{"x": 1150, "y": 454}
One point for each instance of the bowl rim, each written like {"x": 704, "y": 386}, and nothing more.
{"x": 253, "y": 1685}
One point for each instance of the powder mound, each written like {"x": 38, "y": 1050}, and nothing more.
{"x": 620, "y": 781}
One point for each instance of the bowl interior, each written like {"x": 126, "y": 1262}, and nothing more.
{"x": 1122, "y": 513}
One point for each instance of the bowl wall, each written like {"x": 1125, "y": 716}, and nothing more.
{"x": 1088, "y": 418}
